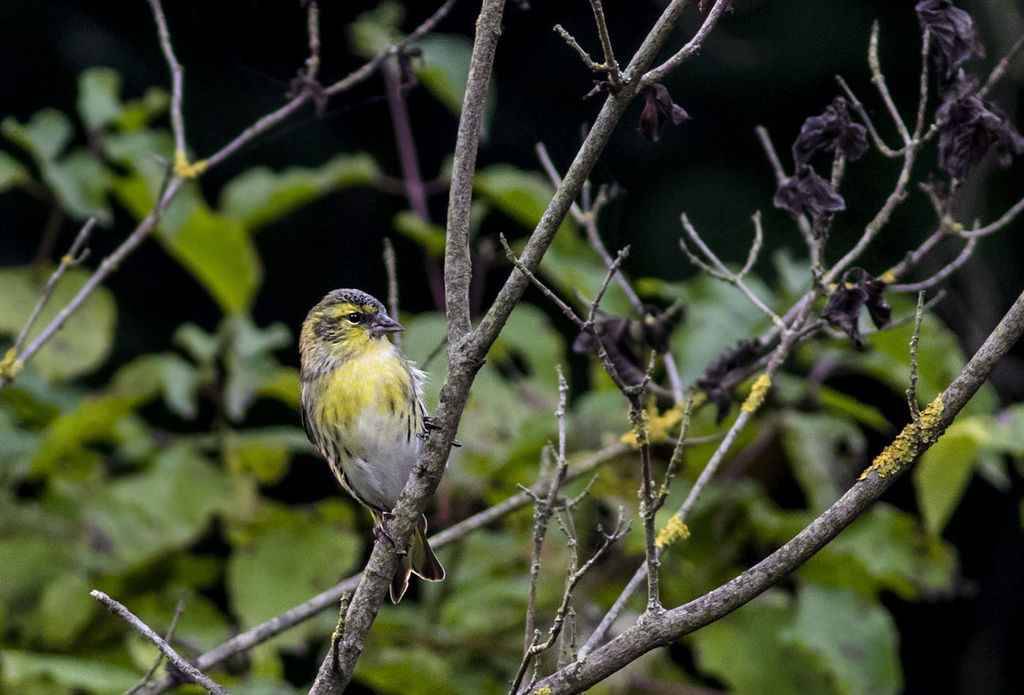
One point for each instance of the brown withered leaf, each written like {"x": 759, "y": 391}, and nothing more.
{"x": 953, "y": 38}
{"x": 968, "y": 128}
{"x": 857, "y": 290}
{"x": 658, "y": 110}
{"x": 808, "y": 193}
{"x": 714, "y": 382}
{"x": 830, "y": 131}
{"x": 625, "y": 340}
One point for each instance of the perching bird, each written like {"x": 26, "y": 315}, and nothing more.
{"x": 362, "y": 408}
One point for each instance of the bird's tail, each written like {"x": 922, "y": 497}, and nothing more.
{"x": 419, "y": 560}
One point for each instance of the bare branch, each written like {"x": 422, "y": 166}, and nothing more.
{"x": 1000, "y": 69}
{"x": 1003, "y": 221}
{"x": 942, "y": 274}
{"x": 721, "y": 272}
{"x": 177, "y": 76}
{"x": 878, "y": 78}
{"x": 14, "y": 360}
{"x": 178, "y": 610}
{"x": 653, "y": 631}
{"x": 692, "y": 46}
{"x": 190, "y": 671}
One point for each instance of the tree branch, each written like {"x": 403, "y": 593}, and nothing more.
{"x": 650, "y": 632}
{"x": 190, "y": 671}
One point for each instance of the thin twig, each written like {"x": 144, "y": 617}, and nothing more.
{"x": 858, "y": 107}
{"x": 1000, "y": 69}
{"x": 586, "y": 215}
{"x": 721, "y": 272}
{"x": 915, "y": 411}
{"x": 942, "y": 274}
{"x": 177, "y": 75}
{"x": 75, "y": 255}
{"x": 178, "y": 610}
{"x": 614, "y": 76}
{"x": 580, "y": 51}
{"x": 586, "y": 326}
{"x": 391, "y": 269}
{"x": 692, "y": 46}
{"x": 572, "y": 579}
{"x": 190, "y": 671}
{"x": 543, "y": 509}
{"x": 789, "y": 339}
{"x": 878, "y": 78}
{"x": 313, "y": 32}
{"x": 1006, "y": 219}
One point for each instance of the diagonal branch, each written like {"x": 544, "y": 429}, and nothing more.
{"x": 652, "y": 632}
{"x": 190, "y": 671}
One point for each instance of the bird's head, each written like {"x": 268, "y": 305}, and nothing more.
{"x": 346, "y": 322}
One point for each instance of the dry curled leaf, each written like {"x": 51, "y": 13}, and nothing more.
{"x": 831, "y": 131}
{"x": 715, "y": 380}
{"x": 808, "y": 193}
{"x": 857, "y": 290}
{"x": 968, "y": 128}
{"x": 659, "y": 109}
{"x": 953, "y": 38}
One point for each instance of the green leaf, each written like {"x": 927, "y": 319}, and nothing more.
{"x": 746, "y": 651}
{"x": 522, "y": 195}
{"x": 201, "y": 346}
{"x": 530, "y": 338}
{"x": 717, "y": 315}
{"x": 64, "y": 609}
{"x": 137, "y": 113}
{"x": 430, "y": 236}
{"x": 143, "y": 515}
{"x": 376, "y": 30}
{"x": 82, "y": 182}
{"x": 444, "y": 69}
{"x": 282, "y": 385}
{"x": 96, "y": 419}
{"x": 12, "y": 173}
{"x": 220, "y": 255}
{"x": 286, "y": 566}
{"x": 99, "y": 97}
{"x": 405, "y": 669}
{"x": 823, "y": 451}
{"x": 264, "y": 452}
{"x": 260, "y": 196}
{"x": 26, "y": 566}
{"x": 844, "y": 405}
{"x": 250, "y": 361}
{"x": 180, "y": 386}
{"x": 945, "y": 470}
{"x": 45, "y": 135}
{"x": 96, "y": 677}
{"x": 84, "y": 342}
{"x": 856, "y": 637}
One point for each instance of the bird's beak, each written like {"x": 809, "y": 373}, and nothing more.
{"x": 384, "y": 324}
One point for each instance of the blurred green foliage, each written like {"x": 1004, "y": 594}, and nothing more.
{"x": 165, "y": 482}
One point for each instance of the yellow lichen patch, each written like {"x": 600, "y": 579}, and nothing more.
{"x": 653, "y": 427}
{"x": 757, "y": 393}
{"x": 10, "y": 365}
{"x": 183, "y": 168}
{"x": 671, "y": 532}
{"x": 905, "y": 448}
{"x": 546, "y": 690}
{"x": 888, "y": 277}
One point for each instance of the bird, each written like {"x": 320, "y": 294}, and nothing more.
{"x": 363, "y": 411}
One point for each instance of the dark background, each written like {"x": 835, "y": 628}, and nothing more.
{"x": 769, "y": 63}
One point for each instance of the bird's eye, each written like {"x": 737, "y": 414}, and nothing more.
{"x": 355, "y": 317}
